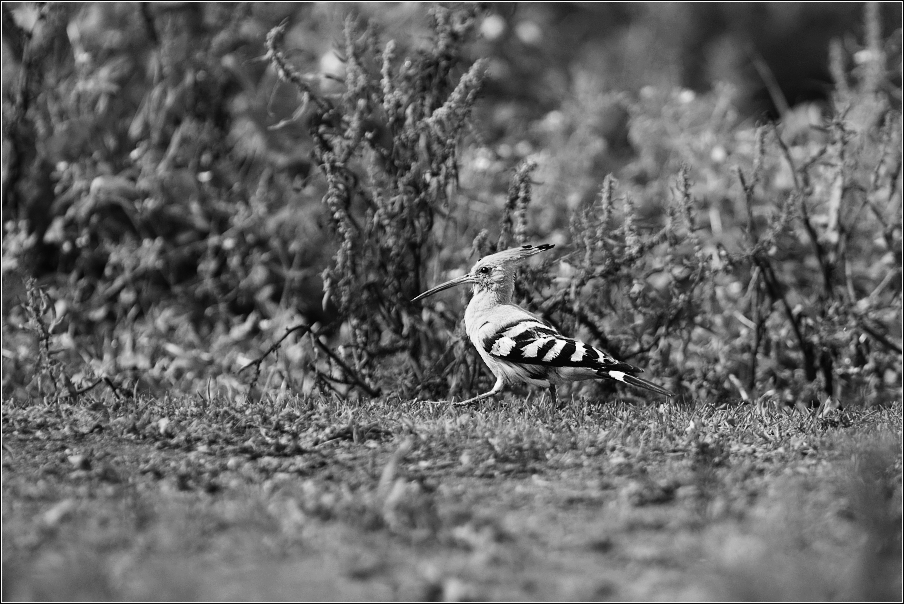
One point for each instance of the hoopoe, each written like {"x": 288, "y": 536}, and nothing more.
{"x": 516, "y": 345}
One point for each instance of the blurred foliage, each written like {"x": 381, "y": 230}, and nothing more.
{"x": 189, "y": 182}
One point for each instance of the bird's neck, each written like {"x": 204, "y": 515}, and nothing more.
{"x": 487, "y": 298}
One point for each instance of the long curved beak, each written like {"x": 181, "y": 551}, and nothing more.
{"x": 463, "y": 279}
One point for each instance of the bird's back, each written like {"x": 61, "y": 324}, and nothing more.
{"x": 507, "y": 333}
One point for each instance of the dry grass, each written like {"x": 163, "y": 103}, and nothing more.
{"x": 382, "y": 499}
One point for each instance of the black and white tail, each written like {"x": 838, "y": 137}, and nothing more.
{"x": 633, "y": 380}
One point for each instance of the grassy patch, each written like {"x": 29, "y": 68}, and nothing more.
{"x": 324, "y": 499}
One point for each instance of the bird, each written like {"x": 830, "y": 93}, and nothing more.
{"x": 518, "y": 346}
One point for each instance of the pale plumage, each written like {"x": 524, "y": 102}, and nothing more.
{"x": 518, "y": 346}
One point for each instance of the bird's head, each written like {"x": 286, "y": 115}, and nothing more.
{"x": 493, "y": 273}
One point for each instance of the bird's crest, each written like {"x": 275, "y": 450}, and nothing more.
{"x": 492, "y": 273}
{"x": 514, "y": 254}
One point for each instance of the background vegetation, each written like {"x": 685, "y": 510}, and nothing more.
{"x": 186, "y": 182}
{"x": 215, "y": 217}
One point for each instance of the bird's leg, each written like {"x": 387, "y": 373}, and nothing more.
{"x": 497, "y": 388}
{"x": 552, "y": 395}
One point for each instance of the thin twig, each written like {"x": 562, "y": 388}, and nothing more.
{"x": 758, "y": 332}
{"x": 765, "y": 73}
{"x": 348, "y": 371}
{"x": 315, "y": 336}
{"x": 878, "y": 336}
{"x": 824, "y": 264}
{"x": 775, "y": 288}
{"x": 289, "y": 331}
{"x": 82, "y": 391}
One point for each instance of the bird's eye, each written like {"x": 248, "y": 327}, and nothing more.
{"x": 483, "y": 270}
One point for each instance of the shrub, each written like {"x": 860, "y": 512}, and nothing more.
{"x": 168, "y": 195}
{"x": 773, "y": 270}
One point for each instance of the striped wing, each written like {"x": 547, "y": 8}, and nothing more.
{"x": 533, "y": 342}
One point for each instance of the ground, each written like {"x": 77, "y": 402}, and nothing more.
{"x": 200, "y": 498}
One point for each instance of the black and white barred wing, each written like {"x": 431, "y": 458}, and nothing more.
{"x": 532, "y": 342}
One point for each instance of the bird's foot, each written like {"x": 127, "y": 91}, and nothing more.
{"x": 464, "y": 403}
{"x": 452, "y": 403}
